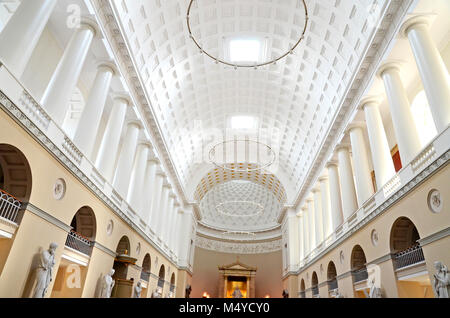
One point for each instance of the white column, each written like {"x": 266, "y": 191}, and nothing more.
{"x": 404, "y": 125}
{"x": 22, "y": 32}
{"x": 171, "y": 233}
{"x": 162, "y": 208}
{"x": 301, "y": 238}
{"x": 318, "y": 216}
{"x": 364, "y": 188}
{"x": 335, "y": 195}
{"x": 381, "y": 154}
{"x": 91, "y": 116}
{"x": 432, "y": 70}
{"x": 111, "y": 138}
{"x": 177, "y": 231}
{"x": 62, "y": 84}
{"x": 349, "y": 202}
{"x": 306, "y": 232}
{"x": 149, "y": 189}
{"x": 135, "y": 189}
{"x": 156, "y": 200}
{"x": 326, "y": 207}
{"x": 166, "y": 217}
{"x": 311, "y": 230}
{"x": 126, "y": 156}
{"x": 292, "y": 232}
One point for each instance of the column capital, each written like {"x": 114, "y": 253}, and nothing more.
{"x": 88, "y": 22}
{"x": 392, "y": 65}
{"x": 145, "y": 143}
{"x": 172, "y": 194}
{"x": 124, "y": 96}
{"x": 420, "y": 19}
{"x": 331, "y": 163}
{"x": 355, "y": 125}
{"x": 323, "y": 178}
{"x": 136, "y": 123}
{"x": 161, "y": 174}
{"x": 315, "y": 189}
{"x": 108, "y": 65}
{"x": 372, "y": 100}
{"x": 154, "y": 160}
{"x": 167, "y": 186}
{"x": 343, "y": 147}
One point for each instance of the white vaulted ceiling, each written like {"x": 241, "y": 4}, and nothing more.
{"x": 298, "y": 96}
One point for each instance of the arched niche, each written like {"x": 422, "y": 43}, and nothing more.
{"x": 84, "y": 222}
{"x": 302, "y": 288}
{"x": 314, "y": 284}
{"x": 404, "y": 235}
{"x": 146, "y": 268}
{"x": 358, "y": 258}
{"x": 123, "y": 247}
{"x": 161, "y": 276}
{"x": 331, "y": 276}
{"x": 172, "y": 285}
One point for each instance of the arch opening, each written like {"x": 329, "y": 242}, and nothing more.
{"x": 315, "y": 285}
{"x": 331, "y": 277}
{"x": 302, "y": 289}
{"x": 146, "y": 267}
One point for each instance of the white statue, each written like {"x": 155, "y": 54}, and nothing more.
{"x": 441, "y": 284}
{"x": 375, "y": 292}
{"x": 137, "y": 290}
{"x": 44, "y": 271}
{"x": 157, "y": 293}
{"x": 236, "y": 293}
{"x": 107, "y": 285}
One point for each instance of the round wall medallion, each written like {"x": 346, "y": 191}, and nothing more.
{"x": 435, "y": 201}
{"x": 374, "y": 237}
{"x": 341, "y": 257}
{"x": 138, "y": 248}
{"x": 110, "y": 227}
{"x": 59, "y": 189}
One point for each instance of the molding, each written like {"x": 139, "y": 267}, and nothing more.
{"x": 41, "y": 138}
{"x": 47, "y": 217}
{"x": 344, "y": 275}
{"x": 381, "y": 259}
{"x": 242, "y": 248}
{"x": 103, "y": 248}
{"x": 434, "y": 237}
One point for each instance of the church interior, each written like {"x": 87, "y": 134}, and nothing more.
{"x": 224, "y": 149}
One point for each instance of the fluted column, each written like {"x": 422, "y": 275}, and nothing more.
{"x": 110, "y": 142}
{"x": 326, "y": 207}
{"x": 62, "y": 84}
{"x": 171, "y": 229}
{"x": 149, "y": 188}
{"x": 318, "y": 216}
{"x": 312, "y": 231}
{"x": 166, "y": 217}
{"x": 22, "y": 32}
{"x": 135, "y": 189}
{"x": 381, "y": 154}
{"x": 402, "y": 118}
{"x": 306, "y": 234}
{"x": 364, "y": 188}
{"x": 90, "y": 118}
{"x": 301, "y": 238}
{"x": 156, "y": 200}
{"x": 162, "y": 208}
{"x": 126, "y": 157}
{"x": 335, "y": 195}
{"x": 349, "y": 202}
{"x": 432, "y": 70}
{"x": 177, "y": 232}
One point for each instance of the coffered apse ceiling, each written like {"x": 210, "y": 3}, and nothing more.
{"x": 296, "y": 99}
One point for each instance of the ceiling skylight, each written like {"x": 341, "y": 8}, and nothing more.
{"x": 245, "y": 50}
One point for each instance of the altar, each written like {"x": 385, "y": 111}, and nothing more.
{"x": 237, "y": 280}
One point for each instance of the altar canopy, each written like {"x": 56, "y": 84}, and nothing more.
{"x": 237, "y": 280}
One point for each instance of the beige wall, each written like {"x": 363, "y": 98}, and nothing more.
{"x": 206, "y": 273}
{"x": 34, "y": 233}
{"x": 413, "y": 206}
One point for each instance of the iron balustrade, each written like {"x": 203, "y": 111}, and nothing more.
{"x": 145, "y": 276}
{"x": 79, "y": 243}
{"x": 161, "y": 282}
{"x": 315, "y": 290}
{"x": 410, "y": 256}
{"x": 332, "y": 284}
{"x": 302, "y": 294}
{"x": 172, "y": 287}
{"x": 360, "y": 275}
{"x": 9, "y": 206}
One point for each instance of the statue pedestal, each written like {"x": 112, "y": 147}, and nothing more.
{"x": 122, "y": 289}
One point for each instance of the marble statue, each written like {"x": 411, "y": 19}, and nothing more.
{"x": 44, "y": 271}
{"x": 285, "y": 293}
{"x": 337, "y": 294}
{"x": 375, "y": 292}
{"x": 107, "y": 285}
{"x": 137, "y": 290}
{"x": 236, "y": 293}
{"x": 441, "y": 284}
{"x": 157, "y": 293}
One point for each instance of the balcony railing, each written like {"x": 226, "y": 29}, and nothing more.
{"x": 145, "y": 276}
{"x": 410, "y": 256}
{"x": 360, "y": 275}
{"x": 9, "y": 206}
{"x": 302, "y": 294}
{"x": 332, "y": 284}
{"x": 160, "y": 282}
{"x": 315, "y": 290}
{"x": 79, "y": 243}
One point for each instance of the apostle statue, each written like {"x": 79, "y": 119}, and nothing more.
{"x": 107, "y": 285}
{"x": 137, "y": 290}
{"x": 441, "y": 284}
{"x": 375, "y": 292}
{"x": 44, "y": 271}
{"x": 236, "y": 293}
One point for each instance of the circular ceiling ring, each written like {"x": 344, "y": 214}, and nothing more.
{"x": 238, "y": 233}
{"x": 255, "y": 65}
{"x": 226, "y": 166}
{"x": 260, "y": 209}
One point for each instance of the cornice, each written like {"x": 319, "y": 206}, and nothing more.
{"x": 241, "y": 248}
{"x": 49, "y": 218}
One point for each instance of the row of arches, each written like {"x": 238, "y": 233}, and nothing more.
{"x": 404, "y": 238}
